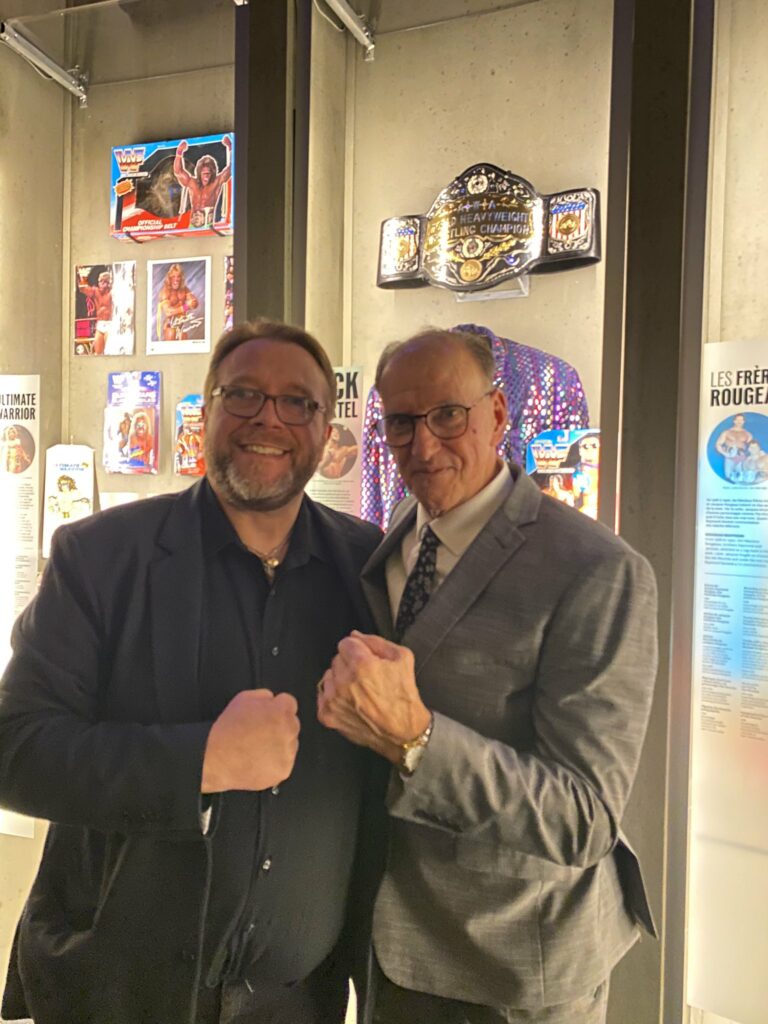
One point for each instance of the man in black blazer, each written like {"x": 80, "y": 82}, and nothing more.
{"x": 513, "y": 708}
{"x": 159, "y": 710}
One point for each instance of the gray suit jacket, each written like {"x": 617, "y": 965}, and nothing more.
{"x": 508, "y": 880}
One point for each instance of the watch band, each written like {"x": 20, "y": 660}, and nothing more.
{"x": 412, "y": 751}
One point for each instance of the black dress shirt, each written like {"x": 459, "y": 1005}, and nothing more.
{"x": 281, "y": 859}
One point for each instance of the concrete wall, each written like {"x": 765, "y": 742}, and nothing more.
{"x": 737, "y": 299}
{"x": 527, "y": 88}
{"x": 32, "y": 127}
{"x": 327, "y": 198}
{"x": 186, "y": 104}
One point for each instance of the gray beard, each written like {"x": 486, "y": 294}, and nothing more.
{"x": 252, "y": 495}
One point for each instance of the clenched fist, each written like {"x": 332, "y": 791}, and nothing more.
{"x": 252, "y": 745}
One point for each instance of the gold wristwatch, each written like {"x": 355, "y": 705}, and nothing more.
{"x": 412, "y": 751}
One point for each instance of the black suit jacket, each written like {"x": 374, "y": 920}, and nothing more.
{"x": 100, "y": 734}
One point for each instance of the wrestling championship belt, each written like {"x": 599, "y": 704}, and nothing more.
{"x": 486, "y": 227}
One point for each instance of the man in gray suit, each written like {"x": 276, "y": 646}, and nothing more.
{"x": 512, "y": 705}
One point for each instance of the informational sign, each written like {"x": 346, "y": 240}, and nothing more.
{"x": 337, "y": 480}
{"x": 487, "y": 226}
{"x": 19, "y": 516}
{"x": 132, "y": 422}
{"x": 68, "y": 493}
{"x": 728, "y": 877}
{"x": 19, "y": 498}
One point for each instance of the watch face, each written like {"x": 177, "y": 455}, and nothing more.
{"x": 411, "y": 758}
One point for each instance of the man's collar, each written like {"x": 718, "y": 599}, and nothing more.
{"x": 218, "y": 531}
{"x": 457, "y": 528}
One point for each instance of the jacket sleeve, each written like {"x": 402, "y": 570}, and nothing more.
{"x": 60, "y": 758}
{"x": 560, "y": 801}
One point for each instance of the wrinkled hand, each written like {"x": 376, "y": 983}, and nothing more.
{"x": 369, "y": 695}
{"x": 252, "y": 745}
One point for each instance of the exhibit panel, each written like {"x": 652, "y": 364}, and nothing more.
{"x": 727, "y": 944}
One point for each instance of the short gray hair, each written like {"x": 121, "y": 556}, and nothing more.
{"x": 475, "y": 345}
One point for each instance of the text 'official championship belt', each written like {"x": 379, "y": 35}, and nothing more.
{"x": 486, "y": 227}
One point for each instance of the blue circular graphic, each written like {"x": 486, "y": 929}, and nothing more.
{"x": 737, "y": 448}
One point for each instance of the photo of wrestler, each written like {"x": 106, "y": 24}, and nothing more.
{"x": 105, "y": 299}
{"x": 737, "y": 448}
{"x": 202, "y": 184}
{"x": 17, "y": 449}
{"x": 178, "y": 313}
{"x": 340, "y": 453}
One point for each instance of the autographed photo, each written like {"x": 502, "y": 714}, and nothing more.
{"x": 179, "y": 307}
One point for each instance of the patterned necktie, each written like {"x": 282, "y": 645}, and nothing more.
{"x": 419, "y": 584}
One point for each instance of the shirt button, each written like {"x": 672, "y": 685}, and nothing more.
{"x": 275, "y": 650}
{"x": 267, "y": 864}
{"x": 275, "y": 790}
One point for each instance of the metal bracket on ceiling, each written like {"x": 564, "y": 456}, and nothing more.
{"x": 74, "y": 80}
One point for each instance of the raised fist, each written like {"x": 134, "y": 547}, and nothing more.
{"x": 253, "y": 743}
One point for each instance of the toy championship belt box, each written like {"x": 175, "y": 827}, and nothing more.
{"x": 179, "y": 187}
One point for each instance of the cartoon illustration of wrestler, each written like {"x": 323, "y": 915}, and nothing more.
{"x": 69, "y": 503}
{"x": 205, "y": 184}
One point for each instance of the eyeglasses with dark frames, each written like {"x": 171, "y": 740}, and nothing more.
{"x": 446, "y": 422}
{"x": 292, "y": 410}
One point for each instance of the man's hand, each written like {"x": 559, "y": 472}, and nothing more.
{"x": 370, "y": 696}
{"x": 182, "y": 147}
{"x": 227, "y": 141}
{"x": 252, "y": 745}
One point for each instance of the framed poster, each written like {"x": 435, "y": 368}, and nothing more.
{"x": 179, "y": 306}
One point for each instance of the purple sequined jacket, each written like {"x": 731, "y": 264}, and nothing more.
{"x": 543, "y": 393}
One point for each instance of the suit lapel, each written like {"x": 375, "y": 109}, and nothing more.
{"x": 175, "y": 594}
{"x": 486, "y": 556}
{"x": 490, "y": 551}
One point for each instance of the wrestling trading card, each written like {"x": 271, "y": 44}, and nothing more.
{"x": 178, "y": 187}
{"x": 229, "y": 292}
{"x": 188, "y": 459}
{"x": 178, "y": 306}
{"x": 566, "y": 465}
{"x": 105, "y": 302}
{"x": 131, "y": 422}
